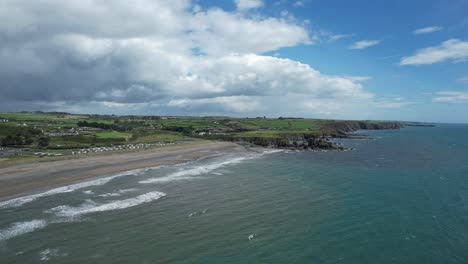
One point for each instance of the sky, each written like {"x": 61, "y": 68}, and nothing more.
{"x": 360, "y": 59}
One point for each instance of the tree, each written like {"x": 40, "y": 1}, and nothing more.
{"x": 44, "y": 141}
{"x": 8, "y": 141}
{"x": 27, "y": 140}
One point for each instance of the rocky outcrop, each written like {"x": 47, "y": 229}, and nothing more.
{"x": 351, "y": 126}
{"x": 418, "y": 124}
{"x": 291, "y": 141}
{"x": 319, "y": 140}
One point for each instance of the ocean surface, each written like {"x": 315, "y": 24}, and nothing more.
{"x": 400, "y": 197}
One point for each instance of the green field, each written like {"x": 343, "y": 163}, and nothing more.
{"x": 63, "y": 132}
{"x": 156, "y": 136}
{"x": 273, "y": 133}
{"x": 114, "y": 135}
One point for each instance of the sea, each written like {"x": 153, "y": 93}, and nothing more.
{"x": 400, "y": 196}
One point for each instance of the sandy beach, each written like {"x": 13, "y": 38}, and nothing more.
{"x": 29, "y": 178}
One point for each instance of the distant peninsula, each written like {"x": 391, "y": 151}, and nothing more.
{"x": 57, "y": 135}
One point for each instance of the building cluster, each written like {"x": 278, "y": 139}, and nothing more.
{"x": 3, "y": 120}
{"x": 47, "y": 154}
{"x": 69, "y": 132}
{"x": 120, "y": 147}
{"x": 210, "y": 131}
{"x": 10, "y": 152}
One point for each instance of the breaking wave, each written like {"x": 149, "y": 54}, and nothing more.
{"x": 93, "y": 207}
{"x": 16, "y": 202}
{"x": 188, "y": 174}
{"x": 117, "y": 193}
{"x": 21, "y": 228}
{"x": 48, "y": 253}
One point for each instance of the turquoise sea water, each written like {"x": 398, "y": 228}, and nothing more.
{"x": 401, "y": 197}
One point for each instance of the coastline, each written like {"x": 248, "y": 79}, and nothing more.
{"x": 29, "y": 178}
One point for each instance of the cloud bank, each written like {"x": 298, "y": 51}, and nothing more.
{"x": 463, "y": 79}
{"x": 156, "y": 57}
{"x": 451, "y": 97}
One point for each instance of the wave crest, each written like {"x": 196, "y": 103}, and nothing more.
{"x": 16, "y": 202}
{"x": 21, "y": 228}
{"x": 188, "y": 174}
{"x": 92, "y": 207}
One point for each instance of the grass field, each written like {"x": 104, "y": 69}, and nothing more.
{"x": 273, "y": 133}
{"x": 31, "y": 116}
{"x": 160, "y": 136}
{"x": 114, "y": 135}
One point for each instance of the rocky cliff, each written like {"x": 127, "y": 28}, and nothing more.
{"x": 351, "y": 126}
{"x": 317, "y": 141}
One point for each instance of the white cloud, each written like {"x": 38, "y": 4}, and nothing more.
{"x": 240, "y": 34}
{"x": 264, "y": 75}
{"x": 392, "y": 105}
{"x": 451, "y": 97}
{"x": 237, "y": 104}
{"x": 358, "y": 78}
{"x": 427, "y": 30}
{"x": 323, "y": 107}
{"x": 463, "y": 79}
{"x": 326, "y": 36}
{"x": 337, "y": 37}
{"x": 243, "y": 5}
{"x": 450, "y": 50}
{"x": 83, "y": 48}
{"x": 116, "y": 105}
{"x": 363, "y": 44}
{"x": 298, "y": 3}
{"x": 174, "y": 56}
{"x": 391, "y": 102}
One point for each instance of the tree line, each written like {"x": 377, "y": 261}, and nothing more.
{"x": 24, "y": 138}
{"x": 117, "y": 125}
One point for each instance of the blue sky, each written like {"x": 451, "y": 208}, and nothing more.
{"x": 399, "y": 60}
{"x": 393, "y": 23}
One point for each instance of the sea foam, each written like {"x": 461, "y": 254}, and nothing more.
{"x": 21, "y": 228}
{"x": 16, "y": 202}
{"x": 92, "y": 207}
{"x": 48, "y": 253}
{"x": 117, "y": 193}
{"x": 188, "y": 174}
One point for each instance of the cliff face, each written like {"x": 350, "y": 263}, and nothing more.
{"x": 292, "y": 141}
{"x": 318, "y": 141}
{"x": 351, "y": 126}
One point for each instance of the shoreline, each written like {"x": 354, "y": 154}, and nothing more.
{"x": 30, "y": 178}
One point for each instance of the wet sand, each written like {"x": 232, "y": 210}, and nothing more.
{"x": 29, "y": 178}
